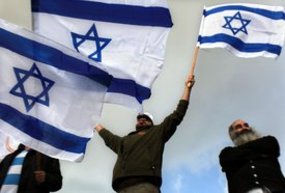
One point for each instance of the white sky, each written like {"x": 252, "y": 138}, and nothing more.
{"x": 226, "y": 88}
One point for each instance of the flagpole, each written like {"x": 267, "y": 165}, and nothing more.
{"x": 194, "y": 61}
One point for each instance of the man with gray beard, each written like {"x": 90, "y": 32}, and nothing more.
{"x": 252, "y": 166}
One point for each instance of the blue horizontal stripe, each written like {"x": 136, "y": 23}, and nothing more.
{"x": 12, "y": 179}
{"x": 18, "y": 161}
{"x": 240, "y": 45}
{"x": 42, "y": 131}
{"x": 51, "y": 56}
{"x": 115, "y": 13}
{"x": 275, "y": 15}
{"x": 129, "y": 87}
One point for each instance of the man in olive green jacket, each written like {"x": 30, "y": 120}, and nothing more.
{"x": 139, "y": 162}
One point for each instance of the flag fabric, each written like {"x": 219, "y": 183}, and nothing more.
{"x": 50, "y": 96}
{"x": 245, "y": 30}
{"x": 127, "y": 36}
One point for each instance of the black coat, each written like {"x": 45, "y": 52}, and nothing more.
{"x": 254, "y": 164}
{"x": 27, "y": 182}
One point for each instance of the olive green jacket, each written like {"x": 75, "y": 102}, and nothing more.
{"x": 141, "y": 155}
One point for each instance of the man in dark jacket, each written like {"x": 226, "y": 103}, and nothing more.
{"x": 252, "y": 165}
{"x": 139, "y": 161}
{"x": 28, "y": 171}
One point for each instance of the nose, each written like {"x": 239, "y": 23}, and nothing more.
{"x": 140, "y": 121}
{"x": 245, "y": 126}
{"x": 241, "y": 127}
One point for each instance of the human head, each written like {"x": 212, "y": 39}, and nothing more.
{"x": 241, "y": 132}
{"x": 144, "y": 120}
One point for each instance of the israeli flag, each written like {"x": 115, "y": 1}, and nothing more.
{"x": 50, "y": 96}
{"x": 127, "y": 36}
{"x": 246, "y": 30}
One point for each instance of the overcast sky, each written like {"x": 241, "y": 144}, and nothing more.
{"x": 227, "y": 88}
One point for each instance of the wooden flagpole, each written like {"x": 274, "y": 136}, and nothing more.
{"x": 194, "y": 61}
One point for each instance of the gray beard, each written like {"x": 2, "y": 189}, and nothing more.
{"x": 245, "y": 137}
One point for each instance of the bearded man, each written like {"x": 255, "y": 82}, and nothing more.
{"x": 252, "y": 166}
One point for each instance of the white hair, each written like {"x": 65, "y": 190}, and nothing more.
{"x": 244, "y": 137}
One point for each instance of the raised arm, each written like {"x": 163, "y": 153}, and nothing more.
{"x": 189, "y": 83}
{"x": 170, "y": 123}
{"x": 111, "y": 140}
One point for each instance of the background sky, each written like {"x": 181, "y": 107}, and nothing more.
{"x": 227, "y": 88}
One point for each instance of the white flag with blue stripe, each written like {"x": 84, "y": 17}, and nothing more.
{"x": 50, "y": 96}
{"x": 246, "y": 30}
{"x": 127, "y": 36}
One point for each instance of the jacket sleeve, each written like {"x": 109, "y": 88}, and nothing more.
{"x": 171, "y": 122}
{"x": 266, "y": 147}
{"x": 111, "y": 140}
{"x": 230, "y": 157}
{"x": 53, "y": 181}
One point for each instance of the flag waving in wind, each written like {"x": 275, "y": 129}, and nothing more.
{"x": 246, "y": 30}
{"x": 127, "y": 36}
{"x": 50, "y": 96}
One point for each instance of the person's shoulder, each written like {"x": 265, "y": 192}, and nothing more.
{"x": 226, "y": 150}
{"x": 270, "y": 138}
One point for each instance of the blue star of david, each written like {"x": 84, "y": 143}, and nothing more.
{"x": 19, "y": 90}
{"x": 234, "y": 27}
{"x": 91, "y": 35}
